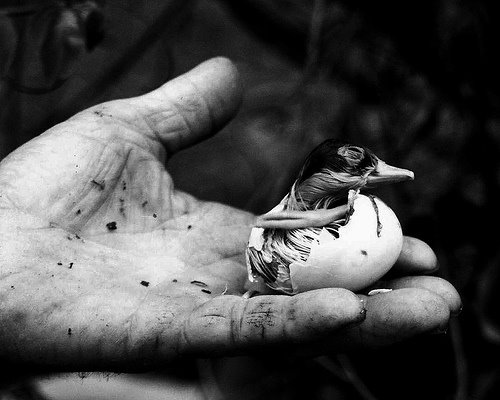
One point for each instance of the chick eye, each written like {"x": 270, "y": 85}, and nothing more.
{"x": 352, "y": 154}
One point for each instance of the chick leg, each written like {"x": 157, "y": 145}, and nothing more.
{"x": 375, "y": 207}
{"x": 350, "y": 204}
{"x": 300, "y": 219}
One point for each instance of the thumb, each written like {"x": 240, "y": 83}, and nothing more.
{"x": 192, "y": 106}
{"x": 230, "y": 325}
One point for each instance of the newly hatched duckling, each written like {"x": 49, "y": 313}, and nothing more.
{"x": 324, "y": 233}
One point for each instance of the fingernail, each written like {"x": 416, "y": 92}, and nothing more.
{"x": 378, "y": 291}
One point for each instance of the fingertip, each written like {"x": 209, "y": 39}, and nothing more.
{"x": 218, "y": 81}
{"x": 330, "y": 308}
{"x": 194, "y": 105}
{"x": 404, "y": 313}
{"x": 416, "y": 257}
{"x": 437, "y": 285}
{"x": 226, "y": 68}
{"x": 393, "y": 317}
{"x": 220, "y": 63}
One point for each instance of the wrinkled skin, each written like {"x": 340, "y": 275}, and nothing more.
{"x": 98, "y": 251}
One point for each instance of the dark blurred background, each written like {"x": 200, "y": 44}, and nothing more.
{"x": 417, "y": 82}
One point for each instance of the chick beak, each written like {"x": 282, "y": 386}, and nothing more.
{"x": 385, "y": 173}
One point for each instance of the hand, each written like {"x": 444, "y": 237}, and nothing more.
{"x": 106, "y": 266}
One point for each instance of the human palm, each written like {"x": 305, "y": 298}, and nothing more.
{"x": 105, "y": 265}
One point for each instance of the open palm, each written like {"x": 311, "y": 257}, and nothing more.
{"x": 105, "y": 265}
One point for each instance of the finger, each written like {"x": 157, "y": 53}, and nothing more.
{"x": 230, "y": 324}
{"x": 416, "y": 257}
{"x": 394, "y": 317}
{"x": 192, "y": 106}
{"x": 433, "y": 284}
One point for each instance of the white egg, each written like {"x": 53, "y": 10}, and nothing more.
{"x": 362, "y": 254}
{"x": 366, "y": 248}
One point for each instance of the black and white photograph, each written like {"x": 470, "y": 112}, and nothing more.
{"x": 249, "y": 200}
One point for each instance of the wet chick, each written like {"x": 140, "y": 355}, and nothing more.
{"x": 324, "y": 233}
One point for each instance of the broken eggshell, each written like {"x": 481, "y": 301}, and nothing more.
{"x": 366, "y": 249}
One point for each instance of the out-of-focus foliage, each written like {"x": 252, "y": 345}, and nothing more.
{"x": 43, "y": 41}
{"x": 416, "y": 82}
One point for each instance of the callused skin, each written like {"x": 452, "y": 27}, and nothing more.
{"x": 317, "y": 211}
